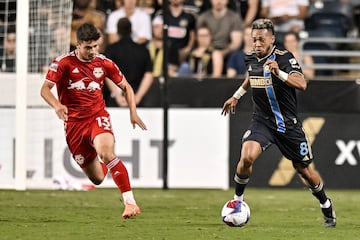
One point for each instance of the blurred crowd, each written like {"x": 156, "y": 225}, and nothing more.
{"x": 205, "y": 38}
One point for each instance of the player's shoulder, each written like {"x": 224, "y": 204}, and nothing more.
{"x": 282, "y": 55}
{"x": 250, "y": 56}
{"x": 281, "y": 51}
{"x": 105, "y": 61}
{"x": 65, "y": 56}
{"x": 101, "y": 56}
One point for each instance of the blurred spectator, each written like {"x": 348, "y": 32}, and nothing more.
{"x": 8, "y": 53}
{"x": 7, "y": 17}
{"x": 204, "y": 60}
{"x": 118, "y": 4}
{"x": 236, "y": 63}
{"x": 156, "y": 50}
{"x": 286, "y": 15}
{"x": 196, "y": 7}
{"x": 248, "y": 10}
{"x": 181, "y": 28}
{"x": 84, "y": 13}
{"x": 291, "y": 43}
{"x": 140, "y": 21}
{"x": 148, "y": 6}
{"x": 107, "y": 6}
{"x": 225, "y": 25}
{"x": 134, "y": 61}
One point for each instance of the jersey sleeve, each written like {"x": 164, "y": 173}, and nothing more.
{"x": 113, "y": 71}
{"x": 288, "y": 63}
{"x": 55, "y": 72}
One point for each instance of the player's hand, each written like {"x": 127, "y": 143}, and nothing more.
{"x": 136, "y": 120}
{"x": 273, "y": 66}
{"x": 62, "y": 112}
{"x": 229, "y": 106}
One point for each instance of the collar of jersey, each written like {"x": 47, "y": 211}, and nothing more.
{"x": 260, "y": 59}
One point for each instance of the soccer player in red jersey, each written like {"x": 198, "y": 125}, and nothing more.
{"x": 79, "y": 77}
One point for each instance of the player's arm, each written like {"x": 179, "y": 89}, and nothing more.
{"x": 230, "y": 104}
{"x": 294, "y": 79}
{"x": 116, "y": 93}
{"x": 60, "y": 109}
{"x": 130, "y": 98}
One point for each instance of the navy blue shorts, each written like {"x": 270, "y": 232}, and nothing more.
{"x": 293, "y": 143}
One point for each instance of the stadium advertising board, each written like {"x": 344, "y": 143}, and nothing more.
{"x": 198, "y": 149}
{"x": 335, "y": 142}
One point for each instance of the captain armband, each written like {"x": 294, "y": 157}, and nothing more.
{"x": 283, "y": 76}
{"x": 239, "y": 93}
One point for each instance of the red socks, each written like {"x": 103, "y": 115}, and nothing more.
{"x": 104, "y": 168}
{"x": 119, "y": 174}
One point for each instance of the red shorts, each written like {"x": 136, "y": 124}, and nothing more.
{"x": 80, "y": 136}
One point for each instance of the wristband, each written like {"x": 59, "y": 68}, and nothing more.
{"x": 239, "y": 93}
{"x": 283, "y": 76}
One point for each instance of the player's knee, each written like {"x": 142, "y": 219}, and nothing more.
{"x": 106, "y": 156}
{"x": 247, "y": 161}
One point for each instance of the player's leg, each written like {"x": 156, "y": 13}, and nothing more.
{"x": 83, "y": 152}
{"x": 313, "y": 180}
{"x": 255, "y": 140}
{"x": 295, "y": 145}
{"x": 96, "y": 171}
{"x": 104, "y": 145}
{"x": 249, "y": 153}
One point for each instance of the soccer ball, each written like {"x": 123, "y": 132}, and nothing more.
{"x": 235, "y": 213}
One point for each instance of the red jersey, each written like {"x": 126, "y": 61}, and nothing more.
{"x": 79, "y": 83}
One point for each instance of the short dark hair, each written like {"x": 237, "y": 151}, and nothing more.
{"x": 124, "y": 27}
{"x": 263, "y": 23}
{"x": 87, "y": 32}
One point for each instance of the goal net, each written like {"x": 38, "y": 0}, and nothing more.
{"x": 48, "y": 36}
{"x": 49, "y": 31}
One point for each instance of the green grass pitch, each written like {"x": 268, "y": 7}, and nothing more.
{"x": 173, "y": 214}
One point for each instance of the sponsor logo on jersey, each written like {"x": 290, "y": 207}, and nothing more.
{"x": 176, "y": 32}
{"x": 84, "y": 85}
{"x": 98, "y": 72}
{"x": 93, "y": 86}
{"x": 260, "y": 82}
{"x": 79, "y": 85}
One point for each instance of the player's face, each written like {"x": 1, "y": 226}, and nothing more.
{"x": 88, "y": 50}
{"x": 263, "y": 41}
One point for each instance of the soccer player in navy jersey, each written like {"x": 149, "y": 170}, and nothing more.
{"x": 79, "y": 77}
{"x": 274, "y": 75}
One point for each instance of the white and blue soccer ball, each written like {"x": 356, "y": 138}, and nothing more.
{"x": 235, "y": 213}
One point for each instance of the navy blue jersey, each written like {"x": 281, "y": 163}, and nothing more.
{"x": 274, "y": 101}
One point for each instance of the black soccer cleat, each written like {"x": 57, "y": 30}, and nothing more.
{"x": 329, "y": 215}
